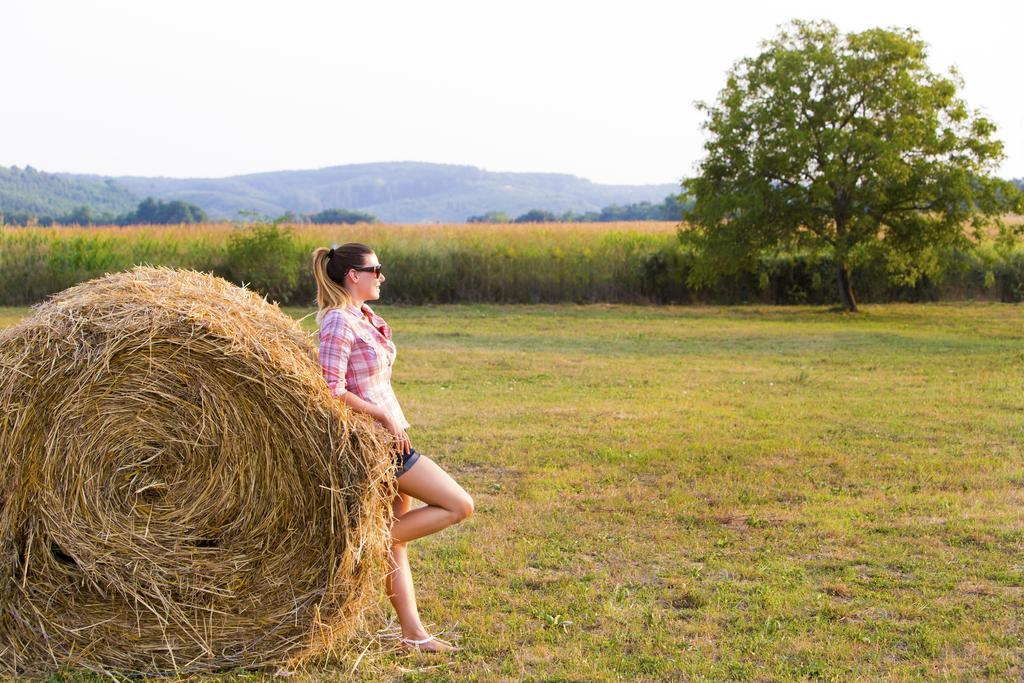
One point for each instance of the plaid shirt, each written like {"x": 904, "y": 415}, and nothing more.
{"x": 356, "y": 354}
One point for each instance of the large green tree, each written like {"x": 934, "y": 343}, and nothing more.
{"x": 841, "y": 143}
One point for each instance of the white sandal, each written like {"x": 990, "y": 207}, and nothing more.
{"x": 417, "y": 643}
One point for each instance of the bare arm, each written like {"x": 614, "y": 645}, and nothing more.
{"x": 376, "y": 412}
{"x": 363, "y": 406}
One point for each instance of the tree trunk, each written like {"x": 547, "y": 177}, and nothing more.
{"x": 846, "y": 287}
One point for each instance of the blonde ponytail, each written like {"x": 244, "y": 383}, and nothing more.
{"x": 329, "y": 269}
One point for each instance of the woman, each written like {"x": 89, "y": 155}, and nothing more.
{"x": 356, "y": 356}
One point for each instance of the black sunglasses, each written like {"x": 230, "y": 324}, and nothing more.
{"x": 369, "y": 269}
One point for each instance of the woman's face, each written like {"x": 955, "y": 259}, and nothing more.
{"x": 363, "y": 285}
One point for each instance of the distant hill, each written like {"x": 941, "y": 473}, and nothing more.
{"x": 28, "y": 191}
{"x": 398, "y": 192}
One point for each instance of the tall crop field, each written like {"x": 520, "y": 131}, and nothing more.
{"x": 507, "y": 263}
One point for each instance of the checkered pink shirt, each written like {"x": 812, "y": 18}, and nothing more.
{"x": 356, "y": 354}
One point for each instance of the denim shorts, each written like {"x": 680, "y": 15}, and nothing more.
{"x": 405, "y": 461}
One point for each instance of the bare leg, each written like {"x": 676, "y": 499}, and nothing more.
{"x": 447, "y": 503}
{"x": 399, "y": 580}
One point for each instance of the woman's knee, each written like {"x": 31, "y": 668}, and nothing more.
{"x": 462, "y": 507}
{"x": 401, "y": 504}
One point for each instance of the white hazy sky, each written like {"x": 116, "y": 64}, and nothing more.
{"x": 599, "y": 90}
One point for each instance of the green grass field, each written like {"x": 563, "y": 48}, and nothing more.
{"x": 749, "y": 493}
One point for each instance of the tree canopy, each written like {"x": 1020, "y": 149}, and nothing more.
{"x": 149, "y": 211}
{"x": 847, "y": 143}
{"x": 537, "y": 216}
{"x": 670, "y": 209}
{"x": 491, "y": 217}
{"x": 157, "y": 212}
{"x": 337, "y": 216}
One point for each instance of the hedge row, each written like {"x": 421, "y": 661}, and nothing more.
{"x": 483, "y": 264}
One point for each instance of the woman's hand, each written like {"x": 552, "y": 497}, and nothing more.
{"x": 363, "y": 406}
{"x": 401, "y": 438}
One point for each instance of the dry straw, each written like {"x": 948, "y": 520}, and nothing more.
{"x": 179, "y": 492}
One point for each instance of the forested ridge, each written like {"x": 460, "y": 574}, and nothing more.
{"x": 26, "y": 191}
{"x": 398, "y": 192}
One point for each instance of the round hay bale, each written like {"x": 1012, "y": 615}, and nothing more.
{"x": 179, "y": 491}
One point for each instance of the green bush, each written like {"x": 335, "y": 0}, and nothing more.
{"x": 266, "y": 257}
{"x": 1009, "y": 277}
